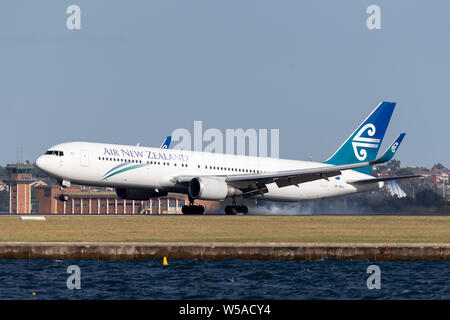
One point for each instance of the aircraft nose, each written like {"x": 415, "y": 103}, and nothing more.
{"x": 41, "y": 163}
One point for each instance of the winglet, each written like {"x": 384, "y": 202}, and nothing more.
{"x": 166, "y": 143}
{"x": 390, "y": 152}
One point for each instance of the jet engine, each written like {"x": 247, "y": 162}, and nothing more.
{"x": 205, "y": 188}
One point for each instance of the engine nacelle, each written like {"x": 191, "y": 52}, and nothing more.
{"x": 138, "y": 194}
{"x": 205, "y": 188}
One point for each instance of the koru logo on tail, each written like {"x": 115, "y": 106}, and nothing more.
{"x": 362, "y": 142}
{"x": 394, "y": 147}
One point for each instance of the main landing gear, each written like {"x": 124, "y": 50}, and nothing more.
{"x": 193, "y": 209}
{"x": 234, "y": 209}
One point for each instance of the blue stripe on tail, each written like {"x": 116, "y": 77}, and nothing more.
{"x": 364, "y": 143}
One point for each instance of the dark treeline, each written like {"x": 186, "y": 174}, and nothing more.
{"x": 425, "y": 201}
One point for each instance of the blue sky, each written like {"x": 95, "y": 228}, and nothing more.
{"x": 137, "y": 70}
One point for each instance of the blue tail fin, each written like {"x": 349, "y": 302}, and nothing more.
{"x": 364, "y": 143}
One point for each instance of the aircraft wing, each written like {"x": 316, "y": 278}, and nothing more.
{"x": 255, "y": 183}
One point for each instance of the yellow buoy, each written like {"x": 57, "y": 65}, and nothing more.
{"x": 165, "y": 261}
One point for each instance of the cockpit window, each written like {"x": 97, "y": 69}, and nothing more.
{"x": 55, "y": 153}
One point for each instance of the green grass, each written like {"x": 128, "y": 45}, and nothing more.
{"x": 358, "y": 229}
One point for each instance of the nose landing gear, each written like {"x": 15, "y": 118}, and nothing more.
{"x": 64, "y": 197}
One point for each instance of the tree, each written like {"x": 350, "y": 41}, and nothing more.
{"x": 3, "y": 173}
{"x": 391, "y": 166}
{"x": 428, "y": 198}
{"x": 439, "y": 166}
{"x": 4, "y": 201}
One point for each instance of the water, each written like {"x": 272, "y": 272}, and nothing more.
{"x": 223, "y": 279}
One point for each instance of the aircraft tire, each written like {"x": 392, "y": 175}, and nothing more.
{"x": 192, "y": 210}
{"x": 64, "y": 197}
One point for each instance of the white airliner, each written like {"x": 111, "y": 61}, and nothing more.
{"x": 140, "y": 173}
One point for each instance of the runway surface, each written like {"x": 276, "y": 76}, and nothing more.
{"x": 234, "y": 229}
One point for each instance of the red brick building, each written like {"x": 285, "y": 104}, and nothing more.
{"x": 20, "y": 180}
{"x": 102, "y": 202}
